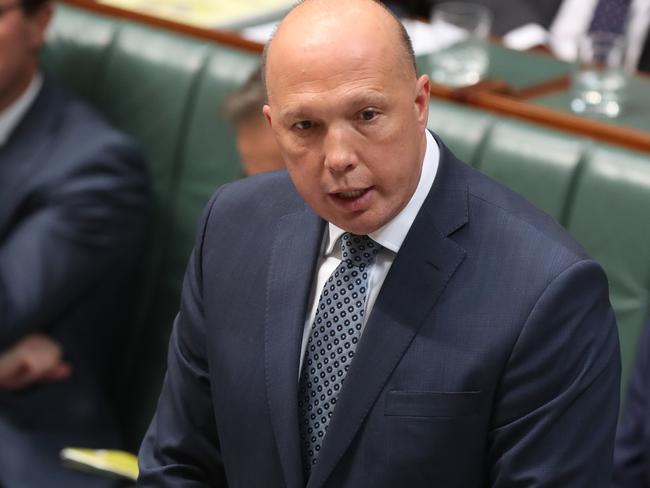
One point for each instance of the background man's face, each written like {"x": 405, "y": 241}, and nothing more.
{"x": 351, "y": 129}
{"x": 257, "y": 147}
{"x": 20, "y": 38}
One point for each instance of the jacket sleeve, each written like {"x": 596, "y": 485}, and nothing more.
{"x": 181, "y": 446}
{"x": 556, "y": 407}
{"x": 71, "y": 233}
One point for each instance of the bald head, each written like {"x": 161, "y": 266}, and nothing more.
{"x": 348, "y": 110}
{"x": 338, "y": 25}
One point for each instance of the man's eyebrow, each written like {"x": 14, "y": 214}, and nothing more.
{"x": 356, "y": 101}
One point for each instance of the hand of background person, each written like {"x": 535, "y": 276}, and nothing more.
{"x": 35, "y": 358}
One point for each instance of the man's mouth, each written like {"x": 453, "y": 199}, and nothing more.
{"x": 352, "y": 199}
{"x": 350, "y": 194}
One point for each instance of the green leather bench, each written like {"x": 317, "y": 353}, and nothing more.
{"x": 166, "y": 89}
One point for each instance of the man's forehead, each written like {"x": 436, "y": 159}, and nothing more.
{"x": 310, "y": 26}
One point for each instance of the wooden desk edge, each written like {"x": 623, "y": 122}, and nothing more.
{"x": 229, "y": 38}
{"x": 623, "y": 136}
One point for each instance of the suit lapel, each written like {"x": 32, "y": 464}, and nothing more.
{"x": 293, "y": 259}
{"x": 22, "y": 151}
{"x": 421, "y": 270}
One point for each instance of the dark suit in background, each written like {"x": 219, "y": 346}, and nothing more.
{"x": 73, "y": 196}
{"x": 507, "y": 14}
{"x": 490, "y": 357}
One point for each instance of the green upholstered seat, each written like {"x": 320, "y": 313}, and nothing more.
{"x": 609, "y": 217}
{"x": 147, "y": 90}
{"x": 206, "y": 158}
{"x": 536, "y": 162}
{"x": 78, "y": 45}
{"x": 463, "y": 129}
{"x": 209, "y": 154}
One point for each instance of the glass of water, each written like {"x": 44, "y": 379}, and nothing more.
{"x": 598, "y": 79}
{"x": 463, "y": 29}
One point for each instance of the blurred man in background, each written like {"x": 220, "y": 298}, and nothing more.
{"x": 73, "y": 198}
{"x": 255, "y": 142}
{"x": 558, "y": 24}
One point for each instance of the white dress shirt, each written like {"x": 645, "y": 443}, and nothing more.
{"x": 10, "y": 117}
{"x": 390, "y": 236}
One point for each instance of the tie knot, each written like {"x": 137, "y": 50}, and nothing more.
{"x": 358, "y": 250}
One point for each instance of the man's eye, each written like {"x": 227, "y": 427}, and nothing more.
{"x": 368, "y": 114}
{"x": 303, "y": 125}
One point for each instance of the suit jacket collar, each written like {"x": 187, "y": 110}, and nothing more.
{"x": 291, "y": 268}
{"x": 427, "y": 260}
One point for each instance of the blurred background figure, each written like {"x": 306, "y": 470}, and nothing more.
{"x": 73, "y": 200}
{"x": 558, "y": 24}
{"x": 507, "y": 14}
{"x": 255, "y": 142}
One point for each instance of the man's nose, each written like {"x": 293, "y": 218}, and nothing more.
{"x": 340, "y": 155}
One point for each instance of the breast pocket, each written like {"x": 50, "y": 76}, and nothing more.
{"x": 436, "y": 438}
{"x": 441, "y": 404}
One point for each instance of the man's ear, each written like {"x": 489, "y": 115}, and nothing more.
{"x": 38, "y": 22}
{"x": 422, "y": 92}
{"x": 266, "y": 110}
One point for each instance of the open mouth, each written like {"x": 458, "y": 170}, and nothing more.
{"x": 349, "y": 195}
{"x": 352, "y": 200}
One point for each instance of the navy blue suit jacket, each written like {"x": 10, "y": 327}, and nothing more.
{"x": 73, "y": 200}
{"x": 490, "y": 357}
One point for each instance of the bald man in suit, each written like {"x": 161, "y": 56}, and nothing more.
{"x": 382, "y": 315}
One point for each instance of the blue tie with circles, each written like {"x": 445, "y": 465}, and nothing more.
{"x": 332, "y": 342}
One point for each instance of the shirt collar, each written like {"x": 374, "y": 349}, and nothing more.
{"x": 12, "y": 115}
{"x": 392, "y": 234}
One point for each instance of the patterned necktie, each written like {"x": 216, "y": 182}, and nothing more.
{"x": 332, "y": 342}
{"x": 610, "y": 16}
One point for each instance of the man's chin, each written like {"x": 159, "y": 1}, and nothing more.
{"x": 362, "y": 224}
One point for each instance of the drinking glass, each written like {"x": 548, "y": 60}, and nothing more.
{"x": 465, "y": 28}
{"x": 598, "y": 79}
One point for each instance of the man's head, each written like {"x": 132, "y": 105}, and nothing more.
{"x": 22, "y": 33}
{"x": 348, "y": 110}
{"x": 255, "y": 141}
